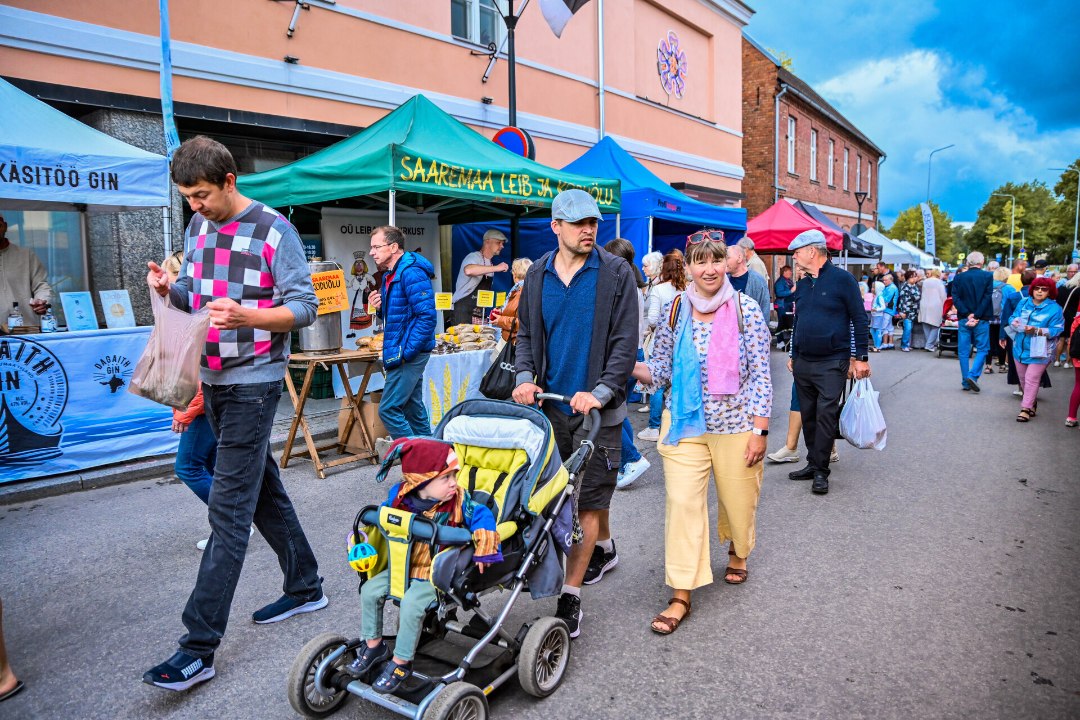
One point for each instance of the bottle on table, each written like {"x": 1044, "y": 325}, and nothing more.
{"x": 15, "y": 317}
{"x": 48, "y": 320}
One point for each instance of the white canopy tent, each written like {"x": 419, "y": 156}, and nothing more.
{"x": 891, "y": 253}
{"x": 926, "y": 260}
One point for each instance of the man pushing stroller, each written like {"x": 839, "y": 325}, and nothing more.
{"x": 429, "y": 488}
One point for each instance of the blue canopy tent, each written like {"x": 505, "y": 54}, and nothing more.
{"x": 655, "y": 216}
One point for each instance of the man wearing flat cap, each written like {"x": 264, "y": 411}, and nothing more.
{"x": 828, "y": 345}
{"x": 578, "y": 338}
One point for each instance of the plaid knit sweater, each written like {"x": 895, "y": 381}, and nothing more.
{"x": 256, "y": 259}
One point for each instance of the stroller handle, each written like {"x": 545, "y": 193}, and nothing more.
{"x": 594, "y": 415}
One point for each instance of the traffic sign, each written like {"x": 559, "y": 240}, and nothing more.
{"x": 517, "y": 141}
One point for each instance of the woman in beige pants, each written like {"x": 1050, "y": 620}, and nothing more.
{"x": 712, "y": 347}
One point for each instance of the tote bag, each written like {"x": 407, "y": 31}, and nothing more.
{"x": 500, "y": 379}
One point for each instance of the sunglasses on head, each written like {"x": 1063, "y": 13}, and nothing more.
{"x": 702, "y": 235}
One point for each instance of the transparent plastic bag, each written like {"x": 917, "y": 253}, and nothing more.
{"x": 168, "y": 371}
{"x": 861, "y": 421}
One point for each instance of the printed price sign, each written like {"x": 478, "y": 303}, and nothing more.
{"x": 485, "y": 299}
{"x": 330, "y": 289}
{"x": 444, "y": 301}
{"x": 500, "y": 299}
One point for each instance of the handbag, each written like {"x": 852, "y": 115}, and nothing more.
{"x": 500, "y": 379}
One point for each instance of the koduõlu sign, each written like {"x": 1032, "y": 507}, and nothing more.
{"x": 330, "y": 289}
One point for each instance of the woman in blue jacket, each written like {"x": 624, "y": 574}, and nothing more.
{"x": 1034, "y": 325}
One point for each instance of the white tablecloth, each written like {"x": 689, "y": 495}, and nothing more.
{"x": 449, "y": 379}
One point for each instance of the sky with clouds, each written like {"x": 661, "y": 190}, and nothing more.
{"x": 1000, "y": 80}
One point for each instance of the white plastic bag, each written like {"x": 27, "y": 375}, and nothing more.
{"x": 168, "y": 371}
{"x": 861, "y": 421}
{"x": 1037, "y": 348}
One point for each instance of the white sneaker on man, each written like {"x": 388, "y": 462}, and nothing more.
{"x": 783, "y": 455}
{"x": 649, "y": 434}
{"x": 631, "y": 472}
{"x": 643, "y": 409}
{"x": 201, "y": 545}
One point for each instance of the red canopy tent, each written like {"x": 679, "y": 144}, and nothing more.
{"x": 773, "y": 230}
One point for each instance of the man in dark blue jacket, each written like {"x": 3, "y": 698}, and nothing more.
{"x": 828, "y": 345}
{"x": 578, "y": 337}
{"x": 973, "y": 298}
{"x": 406, "y": 306}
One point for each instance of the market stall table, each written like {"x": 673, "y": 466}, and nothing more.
{"x": 308, "y": 363}
{"x": 452, "y": 378}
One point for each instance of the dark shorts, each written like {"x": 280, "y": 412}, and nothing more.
{"x": 598, "y": 484}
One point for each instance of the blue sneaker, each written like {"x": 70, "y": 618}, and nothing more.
{"x": 285, "y": 607}
{"x": 180, "y": 672}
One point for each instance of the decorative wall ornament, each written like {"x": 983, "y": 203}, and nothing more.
{"x": 671, "y": 65}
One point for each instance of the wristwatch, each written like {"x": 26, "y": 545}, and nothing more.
{"x": 863, "y": 358}
{"x": 759, "y": 431}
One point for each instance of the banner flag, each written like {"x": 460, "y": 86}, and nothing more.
{"x": 172, "y": 139}
{"x": 558, "y": 13}
{"x": 928, "y": 228}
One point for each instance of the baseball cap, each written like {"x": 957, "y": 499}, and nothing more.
{"x": 1040, "y": 263}
{"x": 807, "y": 237}
{"x": 574, "y": 205}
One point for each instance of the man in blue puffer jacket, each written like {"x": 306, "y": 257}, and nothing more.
{"x": 406, "y": 307}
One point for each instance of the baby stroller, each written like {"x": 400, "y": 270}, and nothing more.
{"x": 509, "y": 461}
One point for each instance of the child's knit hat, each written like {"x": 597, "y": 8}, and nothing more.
{"x": 422, "y": 460}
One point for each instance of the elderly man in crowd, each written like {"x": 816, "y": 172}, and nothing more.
{"x": 746, "y": 280}
{"x": 973, "y": 298}
{"x": 753, "y": 260}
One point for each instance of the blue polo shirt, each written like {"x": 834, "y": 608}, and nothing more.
{"x": 568, "y": 319}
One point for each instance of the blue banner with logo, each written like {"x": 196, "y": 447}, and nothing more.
{"x": 64, "y": 404}
{"x": 928, "y": 228}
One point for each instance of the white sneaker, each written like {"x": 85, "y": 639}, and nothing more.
{"x": 632, "y": 472}
{"x": 643, "y": 409}
{"x": 649, "y": 434}
{"x": 1018, "y": 393}
{"x": 783, "y": 455}
{"x": 1057, "y": 363}
{"x": 201, "y": 545}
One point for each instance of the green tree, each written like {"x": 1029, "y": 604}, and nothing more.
{"x": 1035, "y": 208}
{"x": 909, "y": 226}
{"x": 1062, "y": 226}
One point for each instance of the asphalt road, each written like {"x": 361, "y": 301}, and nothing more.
{"x": 937, "y": 579}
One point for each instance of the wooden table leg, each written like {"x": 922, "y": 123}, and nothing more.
{"x": 356, "y": 401}
{"x": 286, "y": 453}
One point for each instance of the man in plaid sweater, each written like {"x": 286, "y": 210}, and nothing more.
{"x": 245, "y": 264}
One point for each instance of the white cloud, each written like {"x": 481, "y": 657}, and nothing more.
{"x": 921, "y": 100}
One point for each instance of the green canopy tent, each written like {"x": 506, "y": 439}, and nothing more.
{"x": 419, "y": 159}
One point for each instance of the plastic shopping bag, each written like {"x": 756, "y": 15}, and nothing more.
{"x": 168, "y": 371}
{"x": 861, "y": 421}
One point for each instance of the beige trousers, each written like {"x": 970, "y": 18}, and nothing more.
{"x": 686, "y": 519}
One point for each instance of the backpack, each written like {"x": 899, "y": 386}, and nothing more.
{"x": 998, "y": 299}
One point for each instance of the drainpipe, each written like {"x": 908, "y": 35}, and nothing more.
{"x": 600, "y": 55}
{"x": 776, "y": 143}
{"x": 880, "y": 162}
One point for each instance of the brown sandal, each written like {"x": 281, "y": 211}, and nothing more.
{"x": 741, "y": 574}
{"x": 670, "y": 624}
{"x": 1024, "y": 415}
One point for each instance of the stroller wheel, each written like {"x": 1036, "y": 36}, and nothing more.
{"x": 304, "y": 697}
{"x": 458, "y": 701}
{"x": 545, "y": 653}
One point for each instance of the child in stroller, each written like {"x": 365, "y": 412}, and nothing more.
{"x": 429, "y": 488}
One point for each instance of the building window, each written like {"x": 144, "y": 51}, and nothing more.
{"x": 845, "y": 169}
{"x": 869, "y": 174}
{"x": 791, "y": 144}
{"x": 813, "y": 155}
{"x": 478, "y": 21}
{"x": 858, "y": 173}
{"x": 832, "y": 159}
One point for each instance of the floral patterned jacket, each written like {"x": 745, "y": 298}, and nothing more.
{"x": 910, "y": 296}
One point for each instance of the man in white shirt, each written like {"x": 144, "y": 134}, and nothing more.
{"x": 475, "y": 275}
{"x": 22, "y": 280}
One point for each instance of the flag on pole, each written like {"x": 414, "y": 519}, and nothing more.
{"x": 558, "y": 13}
{"x": 928, "y": 229}
{"x": 172, "y": 140}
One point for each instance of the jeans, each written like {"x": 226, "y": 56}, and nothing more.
{"x": 247, "y": 487}
{"x": 195, "y": 457}
{"x": 410, "y": 617}
{"x": 933, "y": 334}
{"x": 980, "y": 336}
{"x": 905, "y": 340}
{"x": 875, "y": 335}
{"x": 629, "y": 453}
{"x": 402, "y": 408}
{"x": 656, "y": 408}
{"x": 820, "y": 383}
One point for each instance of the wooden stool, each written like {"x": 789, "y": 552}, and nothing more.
{"x": 309, "y": 363}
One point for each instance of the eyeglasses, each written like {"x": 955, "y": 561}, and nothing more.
{"x": 702, "y": 235}
{"x": 378, "y": 247}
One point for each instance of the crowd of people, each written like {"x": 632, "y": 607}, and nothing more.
{"x": 692, "y": 333}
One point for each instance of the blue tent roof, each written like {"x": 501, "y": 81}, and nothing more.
{"x": 646, "y": 195}
{"x": 95, "y": 170}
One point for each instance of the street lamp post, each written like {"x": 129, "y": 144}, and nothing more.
{"x": 860, "y": 198}
{"x": 1076, "y": 222}
{"x": 929, "y": 164}
{"x": 1012, "y": 224}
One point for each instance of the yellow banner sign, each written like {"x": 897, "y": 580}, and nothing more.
{"x": 444, "y": 301}
{"x": 500, "y": 299}
{"x": 330, "y": 289}
{"x": 485, "y": 299}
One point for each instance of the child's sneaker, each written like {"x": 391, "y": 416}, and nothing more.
{"x": 180, "y": 672}
{"x": 285, "y": 607}
{"x": 391, "y": 677}
{"x": 569, "y": 611}
{"x": 367, "y": 659}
